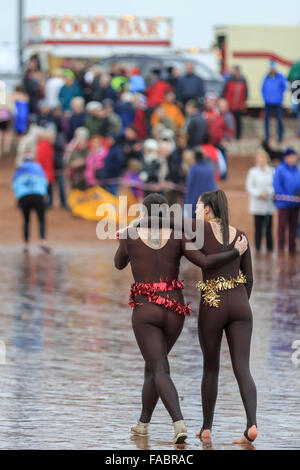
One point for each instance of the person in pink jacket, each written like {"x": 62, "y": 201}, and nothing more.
{"x": 95, "y": 161}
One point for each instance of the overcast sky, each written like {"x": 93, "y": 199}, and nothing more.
{"x": 193, "y": 19}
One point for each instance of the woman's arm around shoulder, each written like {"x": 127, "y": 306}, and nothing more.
{"x": 207, "y": 261}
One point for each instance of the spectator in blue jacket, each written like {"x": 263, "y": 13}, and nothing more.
{"x": 70, "y": 90}
{"x": 190, "y": 86}
{"x": 273, "y": 89}
{"x": 200, "y": 179}
{"x": 125, "y": 110}
{"x": 114, "y": 164}
{"x": 136, "y": 81}
{"x": 30, "y": 186}
{"x": 287, "y": 183}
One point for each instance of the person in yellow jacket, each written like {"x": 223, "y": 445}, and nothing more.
{"x": 171, "y": 111}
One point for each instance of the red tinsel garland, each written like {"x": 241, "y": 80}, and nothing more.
{"x": 148, "y": 289}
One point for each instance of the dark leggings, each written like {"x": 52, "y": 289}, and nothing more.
{"x": 27, "y": 204}
{"x": 156, "y": 330}
{"x": 287, "y": 218}
{"x": 233, "y": 316}
{"x": 263, "y": 222}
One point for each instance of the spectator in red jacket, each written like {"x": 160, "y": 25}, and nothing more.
{"x": 220, "y": 124}
{"x": 210, "y": 151}
{"x": 217, "y": 156}
{"x": 236, "y": 93}
{"x": 45, "y": 157}
{"x": 215, "y": 122}
{"x": 139, "y": 104}
{"x": 219, "y": 120}
{"x": 157, "y": 91}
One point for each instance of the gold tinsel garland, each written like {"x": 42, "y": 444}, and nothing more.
{"x": 211, "y": 287}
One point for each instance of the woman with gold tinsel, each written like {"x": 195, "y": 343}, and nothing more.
{"x": 224, "y": 306}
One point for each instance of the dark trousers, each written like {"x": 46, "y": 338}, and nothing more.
{"x": 36, "y": 203}
{"x": 149, "y": 112}
{"x": 112, "y": 188}
{"x": 60, "y": 181}
{"x": 277, "y": 110}
{"x": 287, "y": 218}
{"x": 50, "y": 196}
{"x": 263, "y": 222}
{"x": 238, "y": 124}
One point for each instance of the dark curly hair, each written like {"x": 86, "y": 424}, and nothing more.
{"x": 156, "y": 204}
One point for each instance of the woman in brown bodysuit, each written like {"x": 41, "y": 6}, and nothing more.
{"x": 158, "y": 308}
{"x": 225, "y": 308}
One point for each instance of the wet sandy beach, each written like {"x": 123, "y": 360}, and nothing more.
{"x": 73, "y": 372}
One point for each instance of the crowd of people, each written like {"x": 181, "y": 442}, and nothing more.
{"x": 161, "y": 133}
{"x": 99, "y": 127}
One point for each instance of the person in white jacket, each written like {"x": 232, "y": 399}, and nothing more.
{"x": 53, "y": 86}
{"x": 259, "y": 185}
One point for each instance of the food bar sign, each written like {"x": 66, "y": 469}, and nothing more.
{"x": 97, "y": 28}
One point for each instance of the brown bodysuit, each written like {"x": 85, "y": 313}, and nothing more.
{"x": 233, "y": 316}
{"x": 156, "y": 327}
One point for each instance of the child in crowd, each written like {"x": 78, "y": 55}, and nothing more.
{"x": 132, "y": 175}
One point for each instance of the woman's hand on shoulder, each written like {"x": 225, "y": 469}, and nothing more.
{"x": 119, "y": 233}
{"x": 241, "y": 244}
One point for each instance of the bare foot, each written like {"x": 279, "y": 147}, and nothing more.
{"x": 204, "y": 435}
{"x": 252, "y": 434}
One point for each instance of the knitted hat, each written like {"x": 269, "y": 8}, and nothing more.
{"x": 68, "y": 73}
{"x": 289, "y": 151}
{"x": 135, "y": 71}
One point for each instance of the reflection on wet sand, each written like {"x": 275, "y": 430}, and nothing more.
{"x": 73, "y": 373}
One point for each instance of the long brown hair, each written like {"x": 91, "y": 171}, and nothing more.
{"x": 218, "y": 203}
